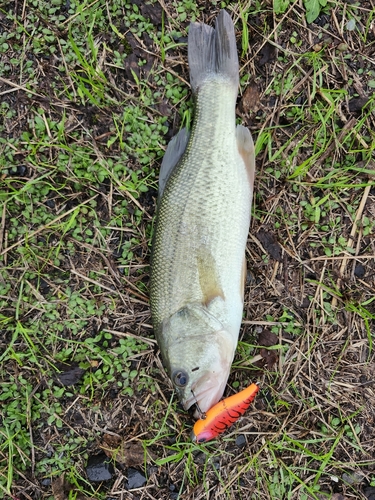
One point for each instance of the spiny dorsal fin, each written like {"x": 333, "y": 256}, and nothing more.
{"x": 175, "y": 150}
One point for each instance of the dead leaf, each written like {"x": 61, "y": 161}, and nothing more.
{"x": 58, "y": 488}
{"x": 164, "y": 108}
{"x": 130, "y": 453}
{"x": 250, "y": 99}
{"x": 61, "y": 489}
{"x": 269, "y": 357}
{"x": 70, "y": 375}
{"x": 137, "y": 54}
{"x": 357, "y": 103}
{"x": 267, "y": 338}
{"x": 268, "y": 54}
{"x": 270, "y": 244}
{"x": 131, "y": 64}
{"x": 152, "y": 11}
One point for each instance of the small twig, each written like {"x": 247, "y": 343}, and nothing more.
{"x": 274, "y": 32}
{"x": 109, "y": 265}
{"x": 343, "y": 118}
{"x": 15, "y": 87}
{"x": 67, "y": 21}
{"x": 134, "y": 290}
{"x": 128, "y": 334}
{"x": 269, "y": 323}
{"x": 94, "y": 282}
{"x": 347, "y": 128}
{"x": 348, "y": 257}
{"x": 2, "y": 227}
{"x": 361, "y": 206}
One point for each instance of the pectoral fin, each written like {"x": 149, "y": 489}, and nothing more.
{"x": 246, "y": 149}
{"x": 208, "y": 277}
{"x": 175, "y": 150}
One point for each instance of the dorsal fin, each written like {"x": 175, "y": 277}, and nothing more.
{"x": 175, "y": 150}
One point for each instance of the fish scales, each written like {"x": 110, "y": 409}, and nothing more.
{"x": 201, "y": 231}
{"x": 203, "y": 206}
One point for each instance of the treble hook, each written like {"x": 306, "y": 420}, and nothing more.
{"x": 202, "y": 415}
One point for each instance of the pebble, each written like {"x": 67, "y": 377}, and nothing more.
{"x": 240, "y": 441}
{"x": 370, "y": 493}
{"x": 135, "y": 479}
{"x": 352, "y": 478}
{"x": 359, "y": 271}
{"x": 99, "y": 468}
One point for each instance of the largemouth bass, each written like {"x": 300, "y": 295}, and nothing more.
{"x": 203, "y": 215}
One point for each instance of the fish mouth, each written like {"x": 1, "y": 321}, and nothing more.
{"x": 195, "y": 398}
{"x": 206, "y": 393}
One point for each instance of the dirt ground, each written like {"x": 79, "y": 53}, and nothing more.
{"x": 308, "y": 327}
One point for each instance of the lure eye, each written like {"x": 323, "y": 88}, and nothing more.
{"x": 180, "y": 378}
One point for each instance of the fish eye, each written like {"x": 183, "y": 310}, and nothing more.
{"x": 180, "y": 378}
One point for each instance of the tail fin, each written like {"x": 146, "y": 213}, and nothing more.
{"x": 213, "y": 51}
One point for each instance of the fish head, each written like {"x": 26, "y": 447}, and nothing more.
{"x": 200, "y": 368}
{"x": 198, "y": 356}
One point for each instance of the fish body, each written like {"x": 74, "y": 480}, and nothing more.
{"x": 223, "y": 415}
{"x": 203, "y": 216}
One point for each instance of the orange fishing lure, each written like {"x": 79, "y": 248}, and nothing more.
{"x": 223, "y": 415}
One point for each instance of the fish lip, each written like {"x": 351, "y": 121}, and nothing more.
{"x": 189, "y": 402}
{"x": 195, "y": 398}
{"x": 206, "y": 391}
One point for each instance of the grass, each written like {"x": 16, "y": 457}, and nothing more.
{"x": 91, "y": 92}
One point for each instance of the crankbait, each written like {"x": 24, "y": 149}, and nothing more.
{"x": 223, "y": 415}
